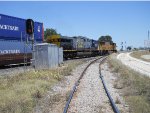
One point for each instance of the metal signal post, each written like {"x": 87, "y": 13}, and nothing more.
{"x": 30, "y": 32}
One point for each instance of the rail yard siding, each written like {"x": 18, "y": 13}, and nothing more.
{"x": 13, "y": 28}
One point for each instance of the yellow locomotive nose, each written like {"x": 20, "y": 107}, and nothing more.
{"x": 54, "y": 39}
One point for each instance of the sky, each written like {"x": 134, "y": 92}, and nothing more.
{"x": 124, "y": 21}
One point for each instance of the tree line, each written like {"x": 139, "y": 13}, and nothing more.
{"x": 48, "y": 33}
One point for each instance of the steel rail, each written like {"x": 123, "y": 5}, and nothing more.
{"x": 76, "y": 84}
{"x": 114, "y": 107}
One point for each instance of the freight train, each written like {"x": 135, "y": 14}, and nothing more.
{"x": 80, "y": 46}
{"x": 14, "y": 42}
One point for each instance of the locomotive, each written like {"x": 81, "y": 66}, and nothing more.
{"x": 79, "y": 46}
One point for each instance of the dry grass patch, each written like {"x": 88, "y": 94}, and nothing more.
{"x": 139, "y": 104}
{"x": 135, "y": 86}
{"x": 68, "y": 94}
{"x": 117, "y": 101}
{"x": 19, "y": 93}
{"x": 138, "y": 54}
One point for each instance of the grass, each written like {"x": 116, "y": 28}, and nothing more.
{"x": 135, "y": 87}
{"x": 19, "y": 93}
{"x": 138, "y": 54}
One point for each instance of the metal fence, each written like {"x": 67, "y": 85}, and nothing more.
{"x": 47, "y": 56}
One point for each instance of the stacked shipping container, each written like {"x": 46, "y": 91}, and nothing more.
{"x": 13, "y": 39}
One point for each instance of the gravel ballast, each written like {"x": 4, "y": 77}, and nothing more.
{"x": 90, "y": 96}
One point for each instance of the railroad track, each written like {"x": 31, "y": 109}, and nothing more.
{"x": 115, "y": 109}
{"x": 10, "y": 66}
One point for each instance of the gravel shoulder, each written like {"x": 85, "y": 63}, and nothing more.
{"x": 135, "y": 64}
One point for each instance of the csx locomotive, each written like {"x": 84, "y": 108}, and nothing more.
{"x": 79, "y": 46}
{"x": 13, "y": 39}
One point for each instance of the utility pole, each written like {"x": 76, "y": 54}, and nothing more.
{"x": 125, "y": 45}
{"x": 148, "y": 34}
{"x": 148, "y": 42}
{"x": 121, "y": 46}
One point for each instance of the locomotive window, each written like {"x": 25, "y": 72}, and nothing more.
{"x": 59, "y": 40}
{"x": 65, "y": 40}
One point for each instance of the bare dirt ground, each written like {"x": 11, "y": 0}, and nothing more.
{"x": 135, "y": 64}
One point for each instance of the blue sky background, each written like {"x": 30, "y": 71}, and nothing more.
{"x": 124, "y": 21}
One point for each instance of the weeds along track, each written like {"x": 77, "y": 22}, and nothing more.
{"x": 114, "y": 107}
{"x": 16, "y": 69}
{"x": 71, "y": 96}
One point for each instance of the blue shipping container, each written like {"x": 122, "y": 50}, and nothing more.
{"x": 14, "y": 47}
{"x": 13, "y": 28}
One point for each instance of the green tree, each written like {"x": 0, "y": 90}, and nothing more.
{"x": 129, "y": 48}
{"x": 105, "y": 38}
{"x": 108, "y": 38}
{"x": 49, "y": 32}
{"x": 102, "y": 38}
